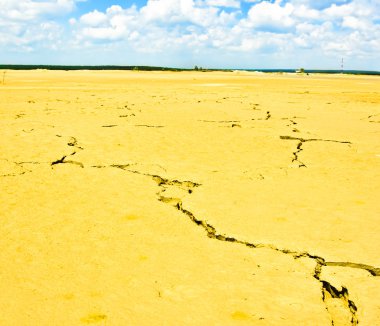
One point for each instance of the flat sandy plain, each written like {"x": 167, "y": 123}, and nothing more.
{"x": 189, "y": 198}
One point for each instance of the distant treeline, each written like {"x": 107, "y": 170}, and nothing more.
{"x": 58, "y": 67}
{"x": 154, "y": 68}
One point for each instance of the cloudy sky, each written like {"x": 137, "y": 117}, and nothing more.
{"x": 314, "y": 34}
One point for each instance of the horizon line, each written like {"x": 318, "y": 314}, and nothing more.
{"x": 161, "y": 68}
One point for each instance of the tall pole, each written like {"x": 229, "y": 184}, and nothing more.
{"x": 341, "y": 66}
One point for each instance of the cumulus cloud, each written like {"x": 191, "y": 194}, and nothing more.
{"x": 115, "y": 24}
{"x": 246, "y": 28}
{"x": 163, "y": 23}
{"x": 179, "y": 11}
{"x": 271, "y": 16}
{"x": 27, "y": 23}
{"x": 27, "y": 10}
{"x": 224, "y": 3}
{"x": 94, "y": 18}
{"x": 342, "y": 27}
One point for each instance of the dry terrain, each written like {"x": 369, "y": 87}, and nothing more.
{"x": 189, "y": 198}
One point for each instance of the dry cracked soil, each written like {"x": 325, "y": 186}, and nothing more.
{"x": 189, "y": 198}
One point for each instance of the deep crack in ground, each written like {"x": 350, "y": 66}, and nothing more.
{"x": 327, "y": 289}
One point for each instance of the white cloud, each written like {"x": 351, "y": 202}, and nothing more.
{"x": 354, "y": 23}
{"x": 306, "y": 13}
{"x": 268, "y": 27}
{"x": 170, "y": 20}
{"x": 94, "y": 18}
{"x": 224, "y": 3}
{"x": 339, "y": 11}
{"x": 26, "y": 24}
{"x": 268, "y": 15}
{"x": 215, "y": 28}
{"x": 178, "y": 11}
{"x": 164, "y": 10}
{"x": 115, "y": 24}
{"x": 25, "y": 10}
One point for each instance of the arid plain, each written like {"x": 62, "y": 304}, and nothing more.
{"x": 189, "y": 198}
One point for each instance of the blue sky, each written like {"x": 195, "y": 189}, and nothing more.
{"x": 184, "y": 33}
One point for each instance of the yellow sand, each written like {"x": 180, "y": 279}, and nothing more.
{"x": 189, "y": 198}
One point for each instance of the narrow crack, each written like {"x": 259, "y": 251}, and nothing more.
{"x": 296, "y": 156}
{"x": 167, "y": 182}
{"x": 149, "y": 126}
{"x": 220, "y": 121}
{"x": 12, "y": 174}
{"x": 74, "y": 143}
{"x": 15, "y": 174}
{"x": 267, "y": 117}
{"x": 374, "y": 271}
{"x": 59, "y": 161}
{"x": 236, "y": 123}
{"x": 372, "y": 116}
{"x": 292, "y": 124}
{"x": 304, "y": 140}
{"x": 63, "y": 160}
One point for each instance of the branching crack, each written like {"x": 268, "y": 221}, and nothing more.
{"x": 74, "y": 143}
{"x": 212, "y": 232}
{"x": 331, "y": 292}
{"x": 166, "y": 182}
{"x": 328, "y": 290}
{"x": 304, "y": 140}
{"x": 63, "y": 160}
{"x": 59, "y": 161}
{"x": 296, "y": 156}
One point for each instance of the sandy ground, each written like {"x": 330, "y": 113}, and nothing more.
{"x": 154, "y": 198}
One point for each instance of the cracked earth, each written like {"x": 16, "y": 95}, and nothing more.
{"x": 135, "y": 198}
